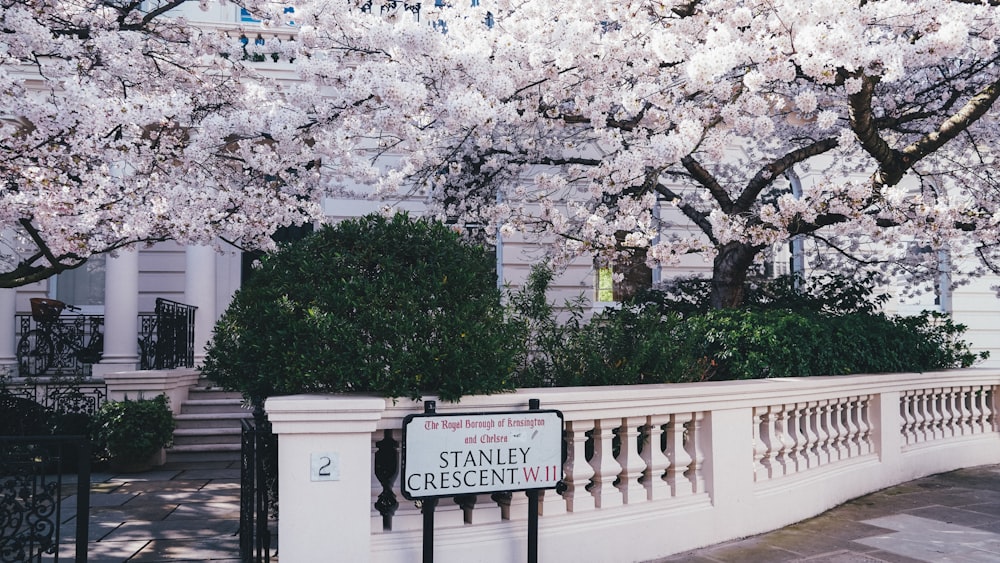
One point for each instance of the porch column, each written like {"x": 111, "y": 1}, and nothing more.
{"x": 121, "y": 314}
{"x": 199, "y": 290}
{"x": 8, "y": 330}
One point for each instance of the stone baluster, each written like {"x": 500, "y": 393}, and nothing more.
{"x": 975, "y": 409}
{"x": 865, "y": 425}
{"x": 656, "y": 461}
{"x": 906, "y": 417}
{"x": 842, "y": 415}
{"x": 760, "y": 472}
{"x": 630, "y": 461}
{"x": 772, "y": 443}
{"x": 783, "y": 441}
{"x": 920, "y": 416}
{"x": 606, "y": 467}
{"x": 680, "y": 459}
{"x": 578, "y": 472}
{"x": 965, "y": 406}
{"x": 952, "y": 416}
{"x": 852, "y": 432}
{"x": 799, "y": 424}
{"x": 986, "y": 417}
{"x": 809, "y": 432}
{"x": 937, "y": 419}
{"x": 828, "y": 414}
{"x": 822, "y": 433}
{"x": 692, "y": 444}
{"x": 933, "y": 413}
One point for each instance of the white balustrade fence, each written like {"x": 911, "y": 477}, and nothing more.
{"x": 648, "y": 470}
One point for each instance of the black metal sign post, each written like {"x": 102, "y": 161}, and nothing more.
{"x": 533, "y": 405}
{"x": 428, "y": 505}
{"x": 457, "y": 454}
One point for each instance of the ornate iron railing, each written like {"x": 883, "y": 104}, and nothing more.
{"x": 68, "y": 345}
{"x": 166, "y": 338}
{"x": 67, "y": 395}
{"x": 31, "y": 490}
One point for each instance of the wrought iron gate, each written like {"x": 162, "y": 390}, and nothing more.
{"x": 31, "y": 495}
{"x": 258, "y": 476}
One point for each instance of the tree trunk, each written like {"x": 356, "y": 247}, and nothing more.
{"x": 729, "y": 274}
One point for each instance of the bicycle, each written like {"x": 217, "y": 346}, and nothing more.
{"x": 58, "y": 344}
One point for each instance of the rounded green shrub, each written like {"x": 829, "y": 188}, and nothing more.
{"x": 397, "y": 307}
{"x": 132, "y": 431}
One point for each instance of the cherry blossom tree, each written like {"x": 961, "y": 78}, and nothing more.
{"x": 124, "y": 124}
{"x": 576, "y": 120}
{"x": 720, "y": 127}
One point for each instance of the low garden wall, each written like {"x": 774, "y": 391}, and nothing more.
{"x": 730, "y": 459}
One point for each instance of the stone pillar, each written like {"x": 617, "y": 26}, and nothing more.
{"x": 325, "y": 475}
{"x": 121, "y": 314}
{"x": 8, "y": 331}
{"x": 199, "y": 291}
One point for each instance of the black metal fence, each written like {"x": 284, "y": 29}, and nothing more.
{"x": 69, "y": 345}
{"x": 66, "y": 345}
{"x": 66, "y": 395}
{"x": 32, "y": 496}
{"x": 166, "y": 338}
{"x": 258, "y": 488}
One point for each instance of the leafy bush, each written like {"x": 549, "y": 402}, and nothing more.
{"x": 133, "y": 430}
{"x": 397, "y": 307}
{"x": 832, "y": 327}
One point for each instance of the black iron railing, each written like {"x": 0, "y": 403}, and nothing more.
{"x": 63, "y": 345}
{"x": 31, "y": 489}
{"x": 258, "y": 488}
{"x": 166, "y": 338}
{"x": 53, "y": 344}
{"x": 67, "y": 395}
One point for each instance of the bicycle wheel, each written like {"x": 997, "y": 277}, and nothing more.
{"x": 34, "y": 353}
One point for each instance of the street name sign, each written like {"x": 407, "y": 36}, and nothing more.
{"x": 471, "y": 453}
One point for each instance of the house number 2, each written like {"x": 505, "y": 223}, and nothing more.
{"x": 325, "y": 467}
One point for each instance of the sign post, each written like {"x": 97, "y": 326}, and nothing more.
{"x": 445, "y": 455}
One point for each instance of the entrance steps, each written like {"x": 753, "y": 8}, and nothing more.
{"x": 208, "y": 426}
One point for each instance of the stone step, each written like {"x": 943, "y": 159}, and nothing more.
{"x": 203, "y": 452}
{"x": 211, "y": 420}
{"x": 213, "y": 393}
{"x": 212, "y": 406}
{"x": 206, "y": 436}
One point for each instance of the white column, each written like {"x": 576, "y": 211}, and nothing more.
{"x": 8, "y": 330}
{"x": 324, "y": 475}
{"x": 199, "y": 291}
{"x": 121, "y": 314}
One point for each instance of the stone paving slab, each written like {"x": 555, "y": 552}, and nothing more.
{"x": 208, "y": 510}
{"x": 216, "y": 549}
{"x": 948, "y": 518}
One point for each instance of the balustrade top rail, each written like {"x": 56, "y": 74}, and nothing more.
{"x": 638, "y": 400}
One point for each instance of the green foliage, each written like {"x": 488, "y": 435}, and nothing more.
{"x": 828, "y": 293}
{"x": 133, "y": 430}
{"x": 396, "y": 307}
{"x": 831, "y": 327}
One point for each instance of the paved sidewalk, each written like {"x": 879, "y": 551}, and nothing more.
{"x": 172, "y": 513}
{"x": 191, "y": 513}
{"x": 948, "y": 518}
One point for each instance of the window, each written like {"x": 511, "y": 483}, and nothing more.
{"x": 83, "y": 287}
{"x": 632, "y": 273}
{"x": 247, "y": 17}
